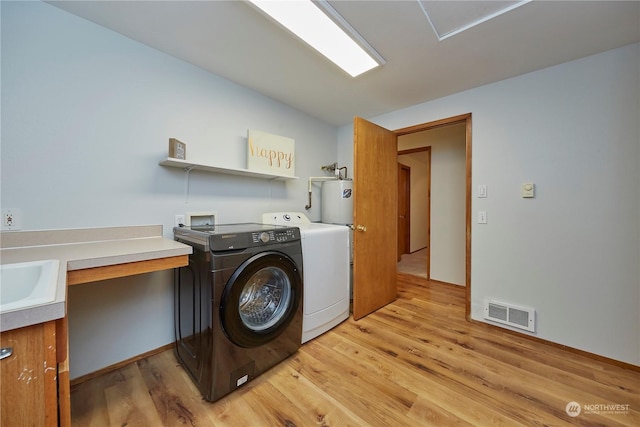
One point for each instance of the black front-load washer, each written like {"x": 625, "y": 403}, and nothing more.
{"x": 238, "y": 305}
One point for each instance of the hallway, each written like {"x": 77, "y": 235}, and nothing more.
{"x": 414, "y": 264}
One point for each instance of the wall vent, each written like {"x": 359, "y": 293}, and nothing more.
{"x": 509, "y": 314}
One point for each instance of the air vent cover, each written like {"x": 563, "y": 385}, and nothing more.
{"x": 509, "y": 314}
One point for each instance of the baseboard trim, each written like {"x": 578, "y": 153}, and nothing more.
{"x": 446, "y": 283}
{"x": 417, "y": 250}
{"x": 116, "y": 366}
{"x": 495, "y": 328}
{"x": 573, "y": 350}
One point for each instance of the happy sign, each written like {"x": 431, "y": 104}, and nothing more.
{"x": 270, "y": 153}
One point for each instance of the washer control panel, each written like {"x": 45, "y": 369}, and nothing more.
{"x": 276, "y": 236}
{"x": 236, "y": 236}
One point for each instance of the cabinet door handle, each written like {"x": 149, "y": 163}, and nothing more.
{"x": 5, "y": 352}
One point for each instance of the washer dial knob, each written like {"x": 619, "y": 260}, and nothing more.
{"x": 264, "y": 236}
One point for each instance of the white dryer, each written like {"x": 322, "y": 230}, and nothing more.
{"x": 325, "y": 271}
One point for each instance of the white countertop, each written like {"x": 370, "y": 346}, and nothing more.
{"x": 79, "y": 249}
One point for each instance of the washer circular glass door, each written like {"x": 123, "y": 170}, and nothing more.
{"x": 265, "y": 298}
{"x": 260, "y": 299}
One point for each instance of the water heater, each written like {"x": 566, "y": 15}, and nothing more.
{"x": 337, "y": 202}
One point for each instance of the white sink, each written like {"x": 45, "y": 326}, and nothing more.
{"x": 28, "y": 284}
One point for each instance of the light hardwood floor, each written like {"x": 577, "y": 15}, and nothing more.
{"x": 415, "y": 362}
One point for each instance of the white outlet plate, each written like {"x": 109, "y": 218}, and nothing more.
{"x": 482, "y": 190}
{"x": 178, "y": 219}
{"x": 11, "y": 219}
{"x": 482, "y": 217}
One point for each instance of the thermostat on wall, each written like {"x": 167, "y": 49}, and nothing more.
{"x": 528, "y": 189}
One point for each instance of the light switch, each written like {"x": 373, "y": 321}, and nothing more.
{"x": 528, "y": 189}
{"x": 482, "y": 217}
{"x": 482, "y": 190}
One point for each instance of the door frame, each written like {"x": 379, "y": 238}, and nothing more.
{"x": 462, "y": 118}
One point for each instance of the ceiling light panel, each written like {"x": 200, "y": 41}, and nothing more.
{"x": 322, "y": 32}
{"x": 448, "y": 18}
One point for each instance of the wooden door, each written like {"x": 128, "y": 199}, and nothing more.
{"x": 404, "y": 210}
{"x": 375, "y": 217}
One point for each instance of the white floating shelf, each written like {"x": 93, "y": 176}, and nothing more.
{"x": 186, "y": 165}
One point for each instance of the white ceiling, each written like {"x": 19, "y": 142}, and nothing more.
{"x": 234, "y": 40}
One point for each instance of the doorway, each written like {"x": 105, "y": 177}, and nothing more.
{"x": 375, "y": 184}
{"x": 465, "y": 230}
{"x": 437, "y": 234}
{"x": 414, "y": 259}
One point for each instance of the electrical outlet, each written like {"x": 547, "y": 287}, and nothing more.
{"x": 8, "y": 219}
{"x": 178, "y": 220}
{"x": 11, "y": 219}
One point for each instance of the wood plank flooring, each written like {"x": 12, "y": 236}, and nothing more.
{"x": 415, "y": 362}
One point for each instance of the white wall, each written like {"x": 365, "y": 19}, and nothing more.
{"x": 571, "y": 252}
{"x": 448, "y": 225}
{"x": 87, "y": 115}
